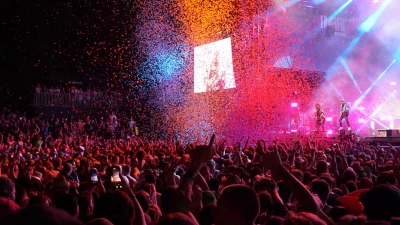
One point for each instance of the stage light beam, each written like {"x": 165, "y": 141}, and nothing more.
{"x": 367, "y": 25}
{"x": 339, "y": 10}
{"x": 347, "y": 68}
{"x": 364, "y": 27}
{"x": 358, "y": 101}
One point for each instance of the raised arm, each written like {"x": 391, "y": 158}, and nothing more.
{"x": 139, "y": 215}
{"x": 202, "y": 154}
{"x": 396, "y": 167}
{"x": 334, "y": 163}
{"x": 272, "y": 161}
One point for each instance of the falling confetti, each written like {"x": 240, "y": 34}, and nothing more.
{"x": 282, "y": 52}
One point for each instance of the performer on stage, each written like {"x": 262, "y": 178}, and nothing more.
{"x": 344, "y": 114}
{"x": 319, "y": 117}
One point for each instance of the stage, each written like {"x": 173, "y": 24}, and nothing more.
{"x": 394, "y": 141}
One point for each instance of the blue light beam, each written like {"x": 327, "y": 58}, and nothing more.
{"x": 358, "y": 101}
{"x": 339, "y": 10}
{"x": 346, "y": 67}
{"x": 367, "y": 25}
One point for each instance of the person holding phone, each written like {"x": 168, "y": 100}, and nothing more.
{"x": 113, "y": 180}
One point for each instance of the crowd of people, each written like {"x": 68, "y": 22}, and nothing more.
{"x": 57, "y": 172}
{"x": 71, "y": 89}
{"x": 75, "y": 96}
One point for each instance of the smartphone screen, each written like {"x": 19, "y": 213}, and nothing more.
{"x": 93, "y": 176}
{"x": 115, "y": 180}
{"x": 115, "y": 175}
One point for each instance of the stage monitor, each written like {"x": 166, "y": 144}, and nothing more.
{"x": 213, "y": 68}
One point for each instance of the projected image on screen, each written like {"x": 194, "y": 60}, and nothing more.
{"x": 213, "y": 69}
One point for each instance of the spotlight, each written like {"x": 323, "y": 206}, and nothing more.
{"x": 330, "y": 132}
{"x": 329, "y": 119}
{"x": 376, "y": 1}
{"x": 293, "y": 131}
{"x": 393, "y": 83}
{"x": 361, "y": 120}
{"x": 294, "y": 104}
{"x": 383, "y": 118}
{"x": 361, "y": 108}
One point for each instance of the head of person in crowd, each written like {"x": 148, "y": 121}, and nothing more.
{"x": 7, "y": 188}
{"x": 381, "y": 202}
{"x": 206, "y": 216}
{"x": 321, "y": 189}
{"x": 7, "y": 197}
{"x": 238, "y": 204}
{"x": 40, "y": 214}
{"x": 21, "y": 196}
{"x": 322, "y": 167}
{"x": 298, "y": 174}
{"x": 265, "y": 201}
{"x": 176, "y": 219}
{"x": 59, "y": 186}
{"x": 114, "y": 204}
{"x": 349, "y": 175}
{"x": 302, "y": 218}
{"x": 68, "y": 203}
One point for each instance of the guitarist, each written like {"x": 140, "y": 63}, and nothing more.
{"x": 344, "y": 114}
{"x": 319, "y": 117}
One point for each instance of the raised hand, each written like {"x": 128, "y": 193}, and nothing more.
{"x": 204, "y": 153}
{"x": 396, "y": 167}
{"x": 333, "y": 154}
{"x": 260, "y": 147}
{"x": 125, "y": 185}
{"x": 271, "y": 160}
